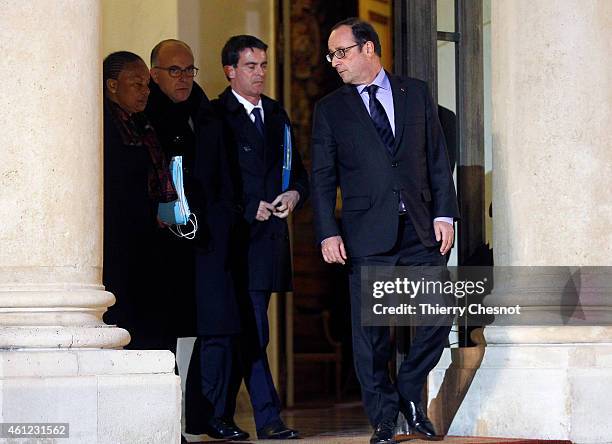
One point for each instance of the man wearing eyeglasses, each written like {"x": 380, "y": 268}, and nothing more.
{"x": 379, "y": 139}
{"x": 200, "y": 295}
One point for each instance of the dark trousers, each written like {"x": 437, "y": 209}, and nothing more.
{"x": 372, "y": 349}
{"x": 208, "y": 381}
{"x": 254, "y": 367}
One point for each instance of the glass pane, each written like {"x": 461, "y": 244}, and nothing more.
{"x": 488, "y": 137}
{"x": 446, "y": 15}
{"x": 446, "y": 75}
{"x": 446, "y": 95}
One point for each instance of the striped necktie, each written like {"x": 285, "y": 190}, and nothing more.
{"x": 380, "y": 118}
{"x": 381, "y": 122}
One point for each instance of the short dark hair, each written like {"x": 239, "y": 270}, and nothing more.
{"x": 230, "y": 54}
{"x": 116, "y": 62}
{"x": 362, "y": 32}
{"x": 157, "y": 48}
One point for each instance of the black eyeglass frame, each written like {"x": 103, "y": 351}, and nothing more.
{"x": 178, "y": 71}
{"x": 337, "y": 53}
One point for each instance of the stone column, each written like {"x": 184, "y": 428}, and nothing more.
{"x": 51, "y": 292}
{"x": 552, "y": 149}
{"x": 52, "y": 364}
{"x": 552, "y": 170}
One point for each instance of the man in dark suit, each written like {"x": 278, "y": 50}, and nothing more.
{"x": 378, "y": 137}
{"x": 260, "y": 151}
{"x": 197, "y": 278}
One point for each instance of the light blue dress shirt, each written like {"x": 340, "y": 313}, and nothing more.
{"x": 384, "y": 96}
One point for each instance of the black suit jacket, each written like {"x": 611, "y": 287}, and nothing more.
{"x": 347, "y": 151}
{"x": 256, "y": 169}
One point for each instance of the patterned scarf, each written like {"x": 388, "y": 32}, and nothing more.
{"x": 135, "y": 130}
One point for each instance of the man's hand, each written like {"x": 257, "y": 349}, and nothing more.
{"x": 445, "y": 232}
{"x": 285, "y": 203}
{"x": 333, "y": 250}
{"x": 264, "y": 211}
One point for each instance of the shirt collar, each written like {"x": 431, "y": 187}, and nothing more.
{"x": 248, "y": 106}
{"x": 381, "y": 80}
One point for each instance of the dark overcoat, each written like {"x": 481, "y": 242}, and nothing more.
{"x": 256, "y": 165}
{"x": 129, "y": 238}
{"x": 199, "y": 283}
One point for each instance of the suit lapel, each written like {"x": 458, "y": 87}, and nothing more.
{"x": 274, "y": 123}
{"x": 248, "y": 138}
{"x": 252, "y": 134}
{"x": 355, "y": 104}
{"x": 399, "y": 108}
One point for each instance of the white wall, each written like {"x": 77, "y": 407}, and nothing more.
{"x": 205, "y": 25}
{"x": 137, "y": 25}
{"x": 216, "y": 21}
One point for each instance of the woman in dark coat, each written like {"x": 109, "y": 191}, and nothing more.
{"x": 136, "y": 179}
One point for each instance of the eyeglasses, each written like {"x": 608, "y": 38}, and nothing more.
{"x": 339, "y": 53}
{"x": 177, "y": 71}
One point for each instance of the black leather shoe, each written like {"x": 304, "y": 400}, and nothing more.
{"x": 277, "y": 430}
{"x": 224, "y": 429}
{"x": 418, "y": 423}
{"x": 243, "y": 435}
{"x": 384, "y": 432}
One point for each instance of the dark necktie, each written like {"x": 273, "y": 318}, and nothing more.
{"x": 380, "y": 119}
{"x": 258, "y": 120}
{"x": 381, "y": 122}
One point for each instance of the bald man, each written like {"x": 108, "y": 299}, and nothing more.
{"x": 197, "y": 269}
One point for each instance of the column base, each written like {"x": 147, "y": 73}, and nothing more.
{"x": 106, "y": 396}
{"x": 43, "y": 316}
{"x": 540, "y": 391}
{"x": 71, "y": 337}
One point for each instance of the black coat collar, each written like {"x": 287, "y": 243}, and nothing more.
{"x": 274, "y": 121}
{"x": 159, "y": 103}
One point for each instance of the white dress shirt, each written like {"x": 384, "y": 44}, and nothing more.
{"x": 249, "y": 107}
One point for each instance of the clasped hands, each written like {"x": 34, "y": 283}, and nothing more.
{"x": 280, "y": 207}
